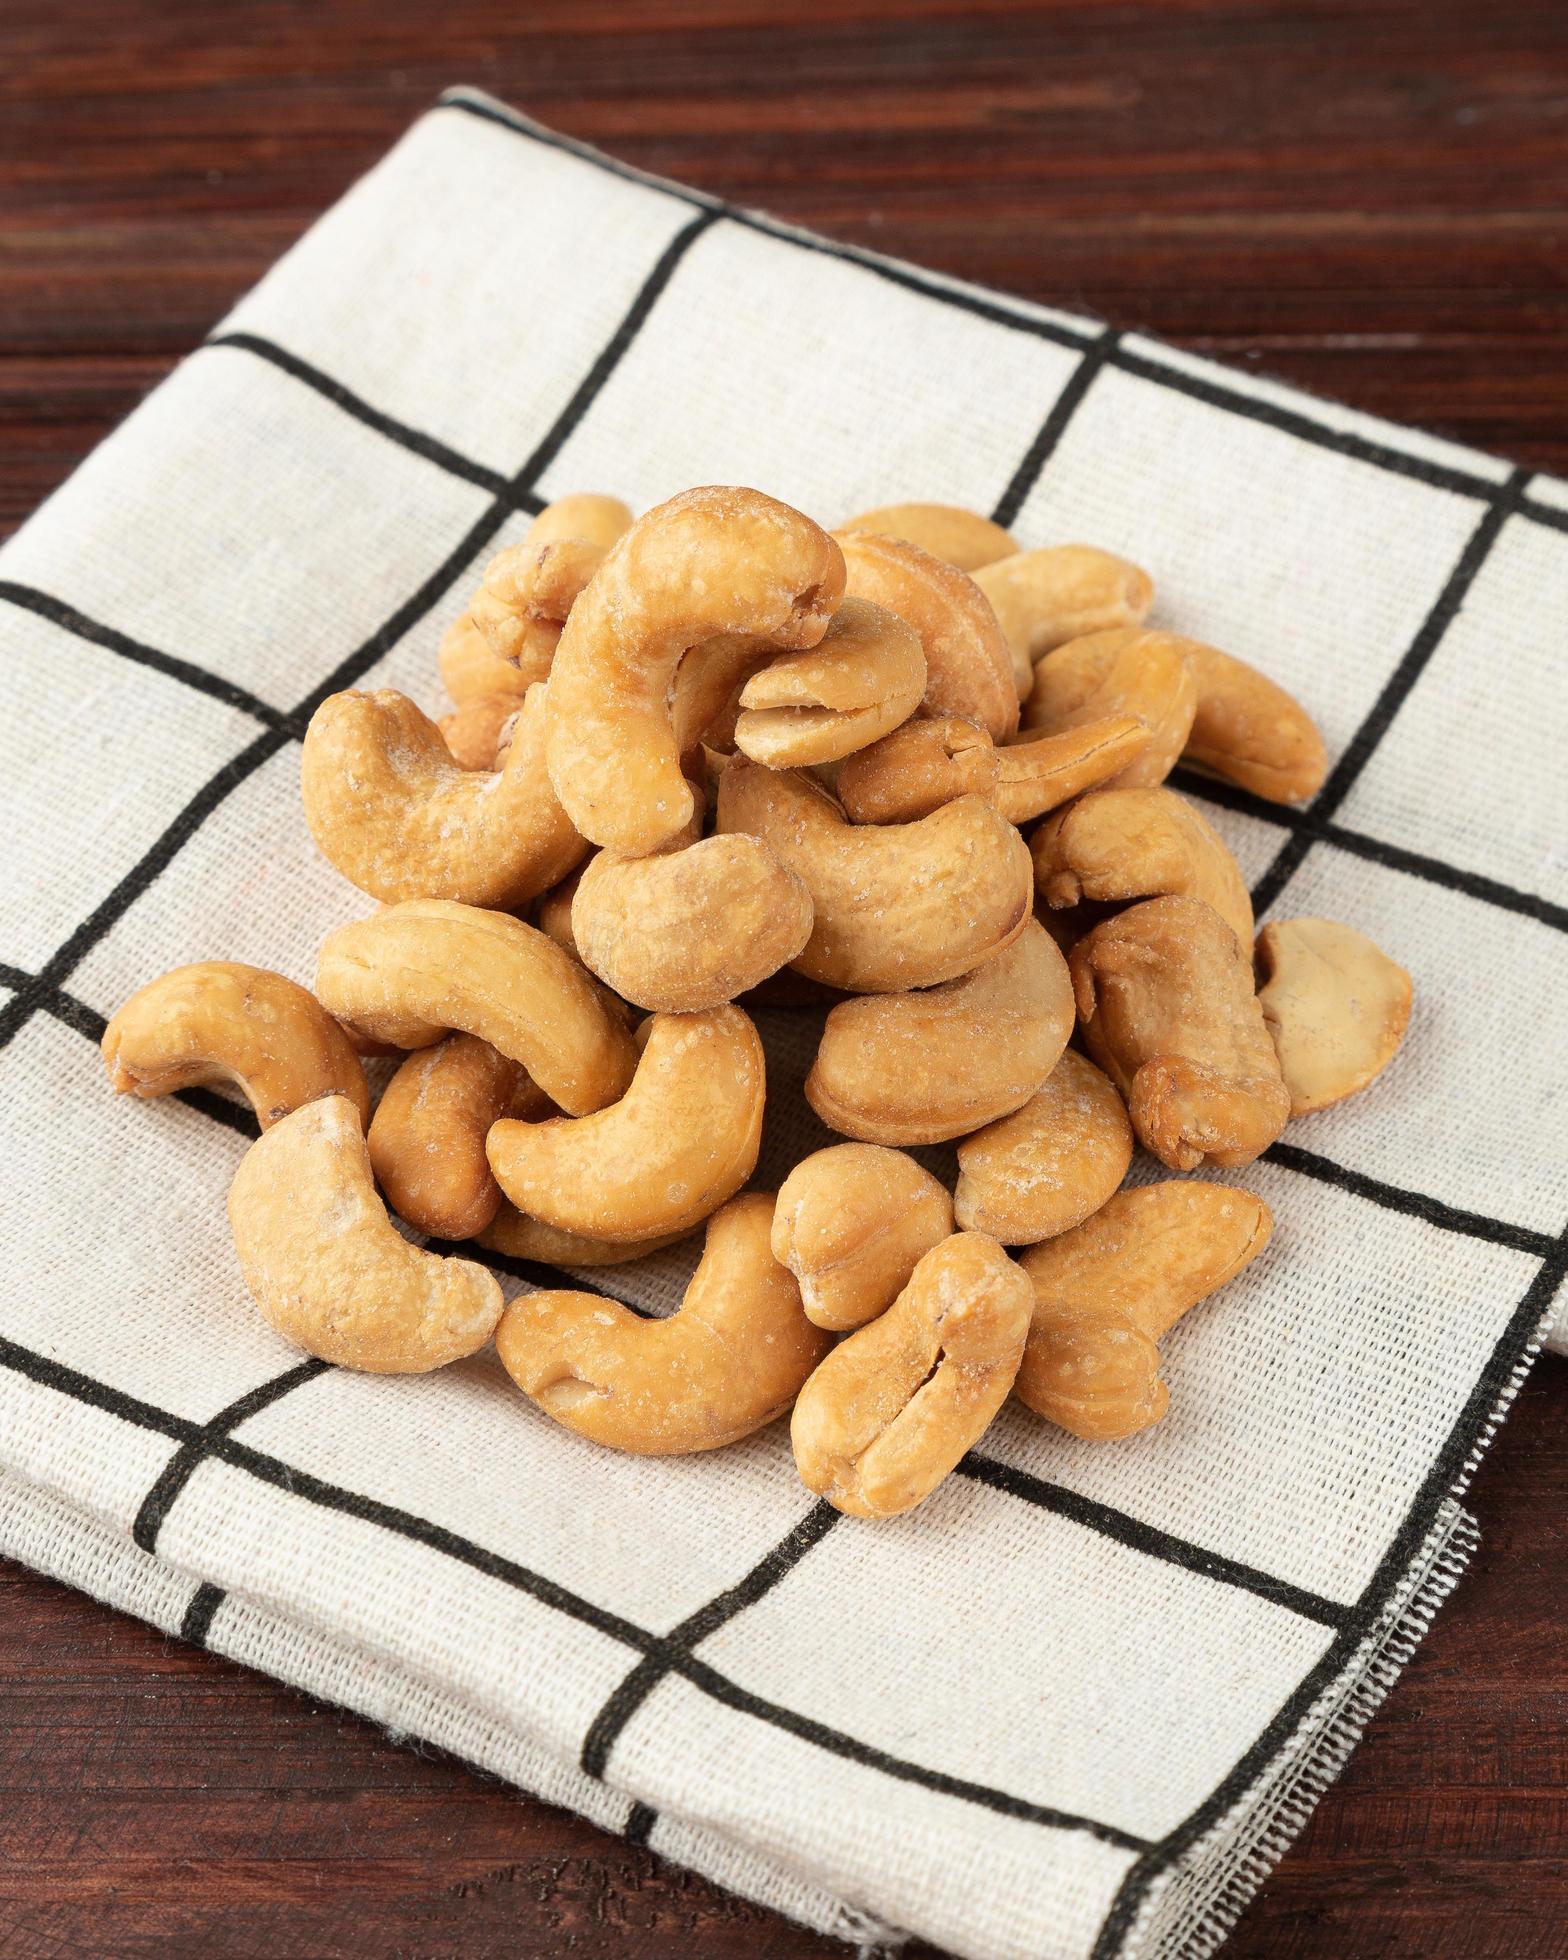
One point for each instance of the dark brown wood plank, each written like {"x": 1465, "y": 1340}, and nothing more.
{"x": 1369, "y": 199}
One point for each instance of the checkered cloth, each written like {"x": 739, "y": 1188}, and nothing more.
{"x": 1078, "y": 1702}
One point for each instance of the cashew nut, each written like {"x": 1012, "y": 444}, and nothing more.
{"x": 1050, "y": 1164}
{"x": 327, "y": 1267}
{"x": 864, "y": 676}
{"x": 411, "y": 972}
{"x": 1123, "y": 672}
{"x": 472, "y": 672}
{"x": 528, "y": 590}
{"x": 892, "y": 1409}
{"x": 936, "y": 1063}
{"x": 969, "y": 670}
{"x": 729, "y": 1360}
{"x": 1043, "y": 599}
{"x": 1250, "y": 731}
{"x": 400, "y": 819}
{"x": 682, "y": 1139}
{"x": 474, "y": 730}
{"x": 218, "y": 1021}
{"x": 963, "y": 537}
{"x": 553, "y": 912}
{"x": 1139, "y": 843}
{"x": 1336, "y": 1005}
{"x": 1167, "y": 1008}
{"x": 707, "y": 562}
{"x": 685, "y": 929}
{"x": 895, "y": 905}
{"x": 427, "y": 1138}
{"x": 517, "y": 1236}
{"x": 1036, "y": 772}
{"x": 1106, "y": 1292}
{"x": 851, "y": 1223}
{"x": 917, "y": 769}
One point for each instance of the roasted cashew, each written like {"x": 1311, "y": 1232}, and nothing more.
{"x": 917, "y": 769}
{"x": 682, "y": 1139}
{"x": 218, "y": 1022}
{"x": 969, "y": 670}
{"x": 1123, "y": 672}
{"x": 1106, "y": 1292}
{"x": 427, "y": 1138}
{"x": 474, "y": 731}
{"x": 1036, "y": 772}
{"x": 327, "y": 1267}
{"x": 1043, "y": 599}
{"x": 685, "y": 929}
{"x": 517, "y": 1236}
{"x": 472, "y": 672}
{"x": 731, "y": 1359}
{"x": 892, "y": 1409}
{"x": 1049, "y": 1165}
{"x": 1336, "y": 1005}
{"x": 707, "y": 562}
{"x": 936, "y": 1063}
{"x": 400, "y": 819}
{"x": 553, "y": 913}
{"x": 896, "y": 905}
{"x": 411, "y": 972}
{"x": 864, "y": 676}
{"x": 852, "y": 1222}
{"x": 963, "y": 537}
{"x": 528, "y": 590}
{"x": 1139, "y": 843}
{"x": 1167, "y": 1008}
{"x": 1250, "y": 731}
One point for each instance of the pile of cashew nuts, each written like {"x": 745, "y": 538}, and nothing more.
{"x": 906, "y": 773}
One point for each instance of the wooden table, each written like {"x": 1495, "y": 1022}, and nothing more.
{"x": 1367, "y": 196}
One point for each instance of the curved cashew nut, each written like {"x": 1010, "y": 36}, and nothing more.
{"x": 1049, "y": 1165}
{"x": 917, "y": 769}
{"x": 528, "y": 590}
{"x": 476, "y": 732}
{"x": 705, "y": 694}
{"x": 1167, "y": 1007}
{"x": 472, "y": 672}
{"x": 219, "y": 1021}
{"x": 1043, "y": 599}
{"x": 427, "y": 1138}
{"x": 963, "y": 537}
{"x": 1105, "y": 1293}
{"x": 1336, "y": 1005}
{"x": 969, "y": 670}
{"x": 553, "y": 913}
{"x": 1125, "y": 672}
{"x": 686, "y": 929}
{"x": 1250, "y": 731}
{"x": 729, "y": 1360}
{"x": 709, "y": 561}
{"x": 1139, "y": 843}
{"x": 517, "y": 1236}
{"x": 851, "y": 1223}
{"x": 411, "y": 972}
{"x": 895, "y": 905}
{"x": 682, "y": 1139}
{"x": 893, "y": 1408}
{"x": 327, "y": 1267}
{"x": 864, "y": 676}
{"x": 400, "y": 819}
{"x": 936, "y": 1063}
{"x": 1037, "y": 772}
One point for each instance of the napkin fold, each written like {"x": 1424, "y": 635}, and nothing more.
{"x": 1077, "y": 1703}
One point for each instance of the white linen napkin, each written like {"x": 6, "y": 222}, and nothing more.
{"x": 1078, "y": 1702}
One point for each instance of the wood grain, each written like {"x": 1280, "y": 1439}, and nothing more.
{"x": 1369, "y": 197}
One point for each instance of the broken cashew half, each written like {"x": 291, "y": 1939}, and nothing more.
{"x": 894, "y": 905}
{"x": 220, "y": 1022}
{"x": 707, "y": 562}
{"x": 528, "y": 590}
{"x": 1167, "y": 1008}
{"x": 1336, "y": 1005}
{"x": 863, "y": 677}
{"x": 963, "y": 537}
{"x": 393, "y": 811}
{"x": 729, "y": 1360}
{"x": 682, "y": 1139}
{"x": 328, "y": 1268}
{"x": 969, "y": 670}
{"x": 411, "y": 972}
{"x": 924, "y": 1066}
{"x": 1123, "y": 672}
{"x": 918, "y": 768}
{"x": 851, "y": 1223}
{"x": 1049, "y": 1165}
{"x": 1105, "y": 1294}
{"x": 893, "y": 1408}
{"x": 1139, "y": 843}
{"x": 1042, "y": 599}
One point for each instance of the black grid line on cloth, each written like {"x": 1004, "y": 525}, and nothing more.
{"x": 1052, "y": 429}
{"x": 639, "y": 1824}
{"x": 1396, "y": 690}
{"x": 199, "y": 1613}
